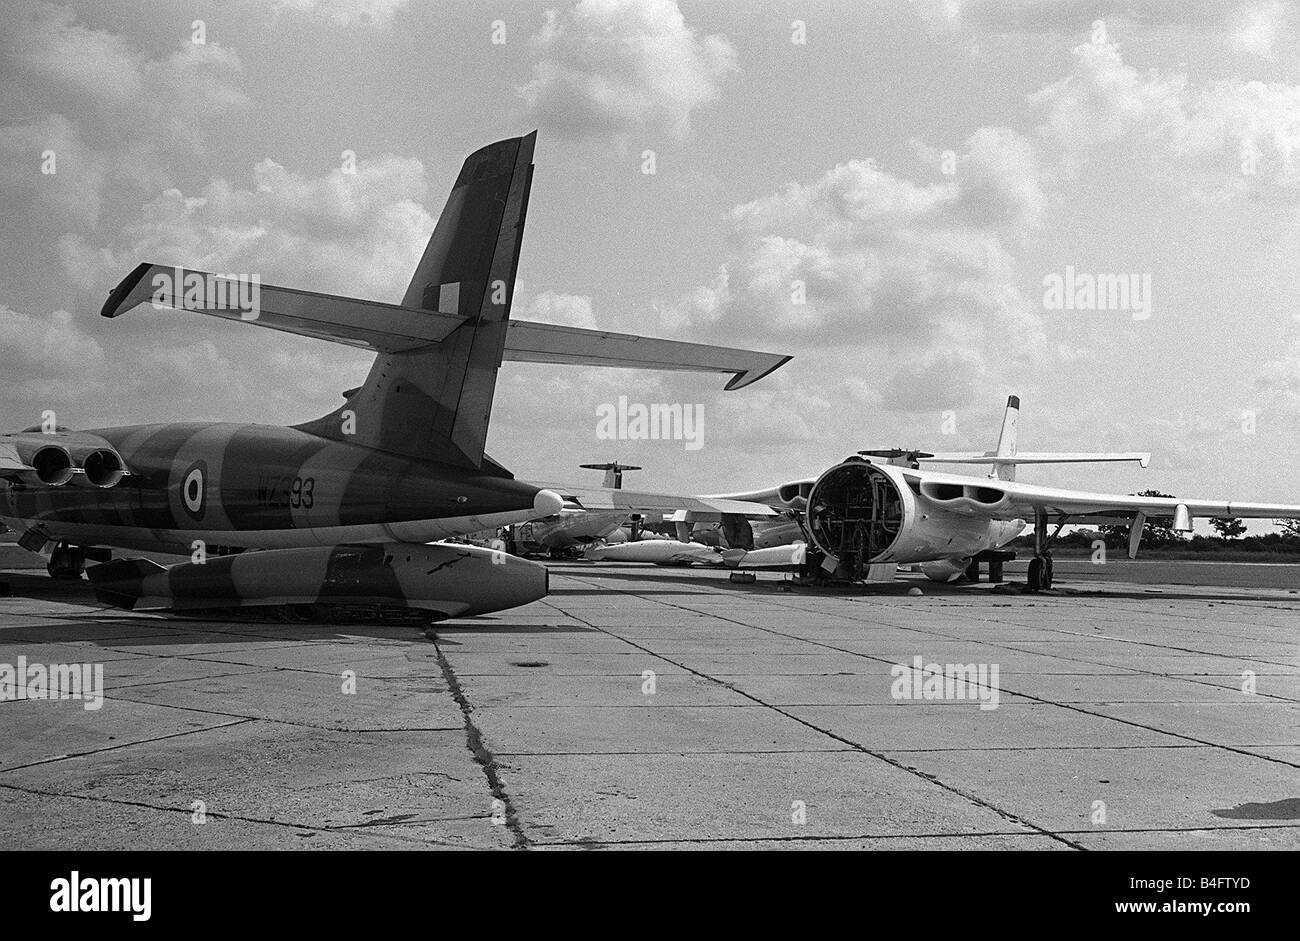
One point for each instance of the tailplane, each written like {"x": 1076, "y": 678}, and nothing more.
{"x": 613, "y": 473}
{"x": 1006, "y": 458}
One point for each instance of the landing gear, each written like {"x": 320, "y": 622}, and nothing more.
{"x": 1040, "y": 566}
{"x": 67, "y": 562}
{"x": 1040, "y": 572}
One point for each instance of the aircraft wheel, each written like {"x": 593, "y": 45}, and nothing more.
{"x": 1047, "y": 572}
{"x": 1036, "y": 574}
{"x": 66, "y": 562}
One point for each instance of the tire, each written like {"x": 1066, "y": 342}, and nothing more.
{"x": 1035, "y": 574}
{"x": 1047, "y": 572}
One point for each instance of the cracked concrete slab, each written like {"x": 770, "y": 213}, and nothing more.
{"x": 772, "y": 721}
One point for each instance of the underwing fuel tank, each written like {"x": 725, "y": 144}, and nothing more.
{"x": 658, "y": 551}
{"x": 434, "y": 581}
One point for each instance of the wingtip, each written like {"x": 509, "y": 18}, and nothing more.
{"x": 116, "y": 296}
{"x": 749, "y": 376}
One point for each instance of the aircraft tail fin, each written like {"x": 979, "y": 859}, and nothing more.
{"x": 434, "y": 403}
{"x": 1007, "y": 441}
{"x": 1006, "y": 457}
{"x": 613, "y": 473}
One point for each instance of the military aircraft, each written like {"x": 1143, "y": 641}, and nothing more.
{"x": 880, "y": 508}
{"x": 574, "y": 527}
{"x": 340, "y": 508}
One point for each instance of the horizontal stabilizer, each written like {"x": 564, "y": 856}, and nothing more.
{"x": 530, "y": 342}
{"x": 384, "y": 328}
{"x": 393, "y": 328}
{"x": 1035, "y": 457}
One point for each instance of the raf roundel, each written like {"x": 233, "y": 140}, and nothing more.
{"x": 194, "y": 489}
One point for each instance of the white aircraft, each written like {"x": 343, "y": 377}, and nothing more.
{"x": 575, "y": 526}
{"x": 881, "y": 509}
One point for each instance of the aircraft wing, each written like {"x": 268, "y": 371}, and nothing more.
{"x": 791, "y": 494}
{"x": 1022, "y": 500}
{"x": 10, "y": 462}
{"x": 632, "y": 501}
{"x": 392, "y": 328}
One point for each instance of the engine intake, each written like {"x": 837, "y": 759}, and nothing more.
{"x": 951, "y": 493}
{"x": 794, "y": 494}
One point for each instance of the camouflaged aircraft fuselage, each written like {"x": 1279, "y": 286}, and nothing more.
{"x": 236, "y": 486}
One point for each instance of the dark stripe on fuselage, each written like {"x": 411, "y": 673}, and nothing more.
{"x": 261, "y": 481}
{"x": 240, "y": 478}
{"x": 360, "y": 571}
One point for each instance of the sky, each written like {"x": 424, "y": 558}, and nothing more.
{"x": 887, "y": 191}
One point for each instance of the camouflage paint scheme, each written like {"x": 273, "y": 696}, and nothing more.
{"x": 469, "y": 580}
{"x": 260, "y": 486}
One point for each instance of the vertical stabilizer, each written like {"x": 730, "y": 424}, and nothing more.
{"x": 613, "y": 473}
{"x": 434, "y": 403}
{"x": 1007, "y": 440}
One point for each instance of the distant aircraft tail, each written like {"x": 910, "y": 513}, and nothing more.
{"x": 434, "y": 403}
{"x": 1007, "y": 440}
{"x": 613, "y": 473}
{"x": 1006, "y": 457}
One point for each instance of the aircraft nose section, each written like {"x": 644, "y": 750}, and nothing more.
{"x": 547, "y": 503}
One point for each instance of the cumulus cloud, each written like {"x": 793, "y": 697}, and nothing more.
{"x": 566, "y": 310}
{"x": 47, "y": 42}
{"x": 59, "y": 64}
{"x": 378, "y": 13}
{"x": 623, "y": 65}
{"x": 354, "y": 234}
{"x": 1257, "y": 28}
{"x": 160, "y": 367}
{"x": 1068, "y": 16}
{"x": 1228, "y": 136}
{"x": 46, "y": 167}
{"x": 359, "y": 234}
{"x": 914, "y": 284}
{"x": 110, "y": 113}
{"x": 41, "y": 353}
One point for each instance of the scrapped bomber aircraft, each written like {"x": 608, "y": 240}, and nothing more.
{"x": 575, "y": 527}
{"x": 341, "y": 509}
{"x": 878, "y": 509}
